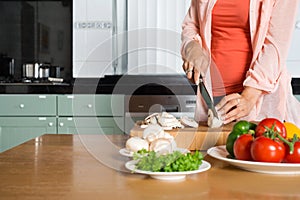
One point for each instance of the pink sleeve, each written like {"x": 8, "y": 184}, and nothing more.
{"x": 190, "y": 27}
{"x": 269, "y": 62}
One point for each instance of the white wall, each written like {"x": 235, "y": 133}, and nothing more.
{"x": 293, "y": 61}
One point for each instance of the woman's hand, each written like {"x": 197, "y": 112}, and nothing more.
{"x": 235, "y": 106}
{"x": 195, "y": 62}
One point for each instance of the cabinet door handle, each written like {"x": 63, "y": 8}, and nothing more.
{"x": 50, "y": 124}
{"x": 61, "y": 124}
{"x": 21, "y": 105}
{"x": 42, "y": 97}
{"x": 89, "y": 105}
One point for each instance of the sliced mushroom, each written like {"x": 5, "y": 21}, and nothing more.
{"x": 168, "y": 121}
{"x": 213, "y": 121}
{"x": 186, "y": 121}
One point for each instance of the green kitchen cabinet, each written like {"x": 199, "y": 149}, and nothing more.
{"x": 16, "y": 130}
{"x": 90, "y": 114}
{"x": 90, "y": 125}
{"x": 298, "y": 97}
{"x": 27, "y": 105}
{"x": 23, "y": 117}
{"x": 90, "y": 105}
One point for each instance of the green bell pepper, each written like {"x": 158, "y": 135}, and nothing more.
{"x": 239, "y": 128}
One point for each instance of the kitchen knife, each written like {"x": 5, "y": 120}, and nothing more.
{"x": 208, "y": 100}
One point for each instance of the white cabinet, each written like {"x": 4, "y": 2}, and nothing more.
{"x": 92, "y": 38}
{"x": 293, "y": 61}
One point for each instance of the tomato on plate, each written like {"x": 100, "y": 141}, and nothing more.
{"x": 241, "y": 147}
{"x": 264, "y": 149}
{"x": 295, "y": 156}
{"x": 239, "y": 128}
{"x": 270, "y": 124}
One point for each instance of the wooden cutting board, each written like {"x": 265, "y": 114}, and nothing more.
{"x": 201, "y": 138}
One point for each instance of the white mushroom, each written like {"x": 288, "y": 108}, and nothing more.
{"x": 135, "y": 144}
{"x": 153, "y": 120}
{"x": 152, "y": 115}
{"x": 168, "y": 121}
{"x": 186, "y": 121}
{"x": 164, "y": 119}
{"x": 152, "y": 132}
{"x": 161, "y": 146}
{"x": 168, "y": 136}
{"x": 212, "y": 121}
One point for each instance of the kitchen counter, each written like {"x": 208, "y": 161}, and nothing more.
{"x": 116, "y": 84}
{"x": 90, "y": 167}
{"x": 110, "y": 84}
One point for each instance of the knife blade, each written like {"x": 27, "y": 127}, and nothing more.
{"x": 207, "y": 98}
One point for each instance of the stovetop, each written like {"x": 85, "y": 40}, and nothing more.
{"x": 24, "y": 81}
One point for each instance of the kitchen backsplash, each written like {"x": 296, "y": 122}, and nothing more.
{"x": 36, "y": 31}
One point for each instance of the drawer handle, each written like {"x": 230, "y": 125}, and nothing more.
{"x": 50, "y": 124}
{"x": 89, "y": 105}
{"x": 61, "y": 124}
{"x": 22, "y": 105}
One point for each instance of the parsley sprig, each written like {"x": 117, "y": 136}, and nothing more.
{"x": 173, "y": 162}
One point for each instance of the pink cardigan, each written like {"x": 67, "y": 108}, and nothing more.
{"x": 271, "y": 25}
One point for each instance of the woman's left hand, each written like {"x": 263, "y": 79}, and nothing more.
{"x": 235, "y": 106}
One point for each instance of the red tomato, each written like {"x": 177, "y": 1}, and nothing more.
{"x": 268, "y": 123}
{"x": 241, "y": 147}
{"x": 295, "y": 156}
{"x": 264, "y": 149}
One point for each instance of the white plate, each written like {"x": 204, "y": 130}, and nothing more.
{"x": 167, "y": 176}
{"x": 220, "y": 152}
{"x": 127, "y": 153}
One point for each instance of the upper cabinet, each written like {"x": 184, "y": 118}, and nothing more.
{"x": 127, "y": 37}
{"x": 92, "y": 38}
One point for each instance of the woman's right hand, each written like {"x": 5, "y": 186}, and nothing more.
{"x": 195, "y": 62}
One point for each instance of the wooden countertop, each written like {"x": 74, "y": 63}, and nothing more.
{"x": 90, "y": 167}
